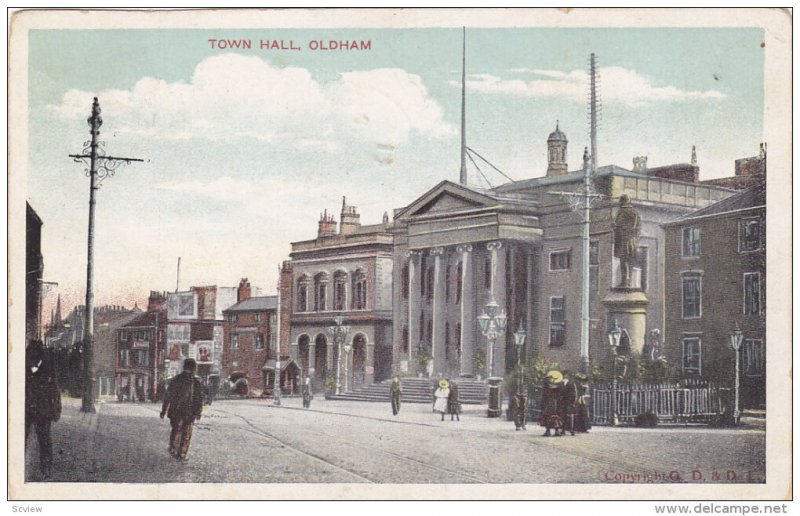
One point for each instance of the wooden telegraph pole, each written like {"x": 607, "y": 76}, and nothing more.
{"x": 100, "y": 167}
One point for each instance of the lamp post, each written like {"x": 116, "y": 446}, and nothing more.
{"x": 736, "y": 343}
{"x": 339, "y": 334}
{"x": 614, "y": 335}
{"x": 493, "y": 323}
{"x": 519, "y": 339}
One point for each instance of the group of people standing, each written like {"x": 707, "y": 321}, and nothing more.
{"x": 563, "y": 406}
{"x": 446, "y": 400}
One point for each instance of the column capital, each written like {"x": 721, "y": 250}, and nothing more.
{"x": 411, "y": 253}
{"x": 464, "y": 248}
{"x": 437, "y": 251}
{"x": 494, "y": 246}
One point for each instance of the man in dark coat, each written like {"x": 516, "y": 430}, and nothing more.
{"x": 42, "y": 401}
{"x": 582, "y": 422}
{"x": 183, "y": 403}
{"x": 566, "y": 407}
{"x": 395, "y": 393}
{"x": 453, "y": 402}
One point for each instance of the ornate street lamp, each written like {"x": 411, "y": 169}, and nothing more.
{"x": 519, "y": 339}
{"x": 736, "y": 343}
{"x": 614, "y": 336}
{"x": 492, "y": 323}
{"x": 339, "y": 334}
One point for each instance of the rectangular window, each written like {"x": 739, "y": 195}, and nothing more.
{"x": 421, "y": 326}
{"x": 752, "y": 293}
{"x": 560, "y": 260}
{"x": 558, "y": 321}
{"x": 458, "y": 340}
{"x": 258, "y": 318}
{"x": 404, "y": 281}
{"x": 321, "y": 298}
{"x": 273, "y": 337}
{"x": 459, "y": 278}
{"x": 447, "y": 341}
{"x": 360, "y": 295}
{"x": 142, "y": 358}
{"x": 753, "y": 357}
{"x": 750, "y": 234}
{"x": 232, "y": 318}
{"x": 594, "y": 281}
{"x": 447, "y": 284}
{"x": 692, "y": 296}
{"x": 234, "y": 342}
{"x": 124, "y": 358}
{"x": 691, "y": 242}
{"x": 259, "y": 341}
{"x": 691, "y": 355}
{"x": 594, "y": 253}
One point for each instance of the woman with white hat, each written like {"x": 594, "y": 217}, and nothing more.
{"x": 441, "y": 395}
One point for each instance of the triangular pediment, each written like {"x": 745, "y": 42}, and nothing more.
{"x": 447, "y": 197}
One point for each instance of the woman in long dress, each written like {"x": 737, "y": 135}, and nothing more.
{"x": 441, "y": 395}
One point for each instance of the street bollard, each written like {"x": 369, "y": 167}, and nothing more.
{"x": 495, "y": 408}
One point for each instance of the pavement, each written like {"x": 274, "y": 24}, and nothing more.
{"x": 252, "y": 440}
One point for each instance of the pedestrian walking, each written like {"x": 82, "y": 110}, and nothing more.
{"x": 440, "y": 396}
{"x": 453, "y": 402}
{"x": 183, "y": 403}
{"x": 395, "y": 393}
{"x": 308, "y": 393}
{"x": 566, "y": 408}
{"x": 582, "y": 422}
{"x": 42, "y": 401}
{"x": 519, "y": 408}
{"x": 550, "y": 417}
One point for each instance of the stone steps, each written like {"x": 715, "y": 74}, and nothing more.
{"x": 417, "y": 390}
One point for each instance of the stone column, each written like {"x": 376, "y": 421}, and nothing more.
{"x": 438, "y": 339}
{"x": 312, "y": 357}
{"x": 414, "y": 306}
{"x": 329, "y": 354}
{"x": 467, "y": 310}
{"x": 499, "y": 295}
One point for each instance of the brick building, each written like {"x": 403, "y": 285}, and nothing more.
{"x": 34, "y": 268}
{"x": 249, "y": 332}
{"x": 715, "y": 280}
{"x": 141, "y": 350}
{"x": 346, "y": 273}
{"x": 457, "y": 247}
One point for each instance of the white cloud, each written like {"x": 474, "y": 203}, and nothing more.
{"x": 231, "y": 97}
{"x": 617, "y": 85}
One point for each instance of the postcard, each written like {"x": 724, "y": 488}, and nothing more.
{"x": 438, "y": 254}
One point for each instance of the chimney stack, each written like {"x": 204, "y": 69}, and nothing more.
{"x": 350, "y": 220}
{"x": 327, "y": 225}
{"x": 244, "y": 291}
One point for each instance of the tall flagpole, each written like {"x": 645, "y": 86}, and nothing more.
{"x": 463, "y": 176}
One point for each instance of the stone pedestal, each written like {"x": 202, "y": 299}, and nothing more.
{"x": 629, "y": 307}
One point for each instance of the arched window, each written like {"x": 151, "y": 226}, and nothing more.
{"x": 359, "y": 290}
{"x": 321, "y": 281}
{"x": 339, "y": 290}
{"x": 302, "y": 293}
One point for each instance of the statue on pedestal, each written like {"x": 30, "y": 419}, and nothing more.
{"x": 627, "y": 226}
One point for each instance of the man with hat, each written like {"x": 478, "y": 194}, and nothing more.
{"x": 183, "y": 403}
{"x": 550, "y": 417}
{"x": 566, "y": 408}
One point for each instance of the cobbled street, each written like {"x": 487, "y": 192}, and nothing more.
{"x": 351, "y": 442}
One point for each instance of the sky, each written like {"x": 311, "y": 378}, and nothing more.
{"x": 244, "y": 148}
